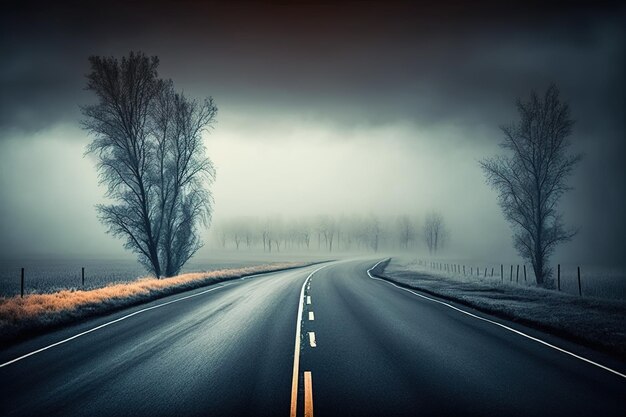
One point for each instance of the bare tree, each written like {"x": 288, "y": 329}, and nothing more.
{"x": 532, "y": 177}
{"x": 330, "y": 229}
{"x": 406, "y": 231}
{"x": 223, "y": 238}
{"x": 147, "y": 139}
{"x": 434, "y": 232}
{"x": 326, "y": 227}
{"x": 304, "y": 229}
{"x": 374, "y": 231}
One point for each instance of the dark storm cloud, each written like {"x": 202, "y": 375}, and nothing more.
{"x": 372, "y": 62}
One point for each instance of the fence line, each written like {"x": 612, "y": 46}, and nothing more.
{"x": 459, "y": 269}
{"x": 22, "y": 276}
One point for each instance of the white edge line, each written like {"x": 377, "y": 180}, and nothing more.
{"x": 296, "y": 354}
{"x": 606, "y": 368}
{"x": 124, "y": 318}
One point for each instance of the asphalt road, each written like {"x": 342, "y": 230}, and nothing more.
{"x": 229, "y": 350}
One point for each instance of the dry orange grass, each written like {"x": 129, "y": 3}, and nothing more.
{"x": 45, "y": 307}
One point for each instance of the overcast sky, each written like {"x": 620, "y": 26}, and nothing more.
{"x": 368, "y": 107}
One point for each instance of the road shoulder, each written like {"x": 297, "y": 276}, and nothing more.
{"x": 593, "y": 323}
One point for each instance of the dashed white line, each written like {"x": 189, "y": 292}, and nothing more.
{"x": 589, "y": 361}
{"x": 311, "y": 316}
{"x": 308, "y": 299}
{"x": 312, "y": 339}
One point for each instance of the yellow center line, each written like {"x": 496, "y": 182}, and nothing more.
{"x": 296, "y": 353}
{"x": 308, "y": 394}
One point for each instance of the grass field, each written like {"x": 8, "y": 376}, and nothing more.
{"x": 44, "y": 276}
{"x": 596, "y": 281}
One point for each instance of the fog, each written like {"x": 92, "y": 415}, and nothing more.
{"x": 320, "y": 116}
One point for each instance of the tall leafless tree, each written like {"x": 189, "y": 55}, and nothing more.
{"x": 434, "y": 232}
{"x": 532, "y": 176}
{"x": 373, "y": 232}
{"x": 148, "y": 141}
{"x": 406, "y": 231}
{"x": 327, "y": 227}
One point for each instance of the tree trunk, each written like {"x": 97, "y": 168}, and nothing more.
{"x": 538, "y": 265}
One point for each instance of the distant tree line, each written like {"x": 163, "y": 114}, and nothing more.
{"x": 354, "y": 233}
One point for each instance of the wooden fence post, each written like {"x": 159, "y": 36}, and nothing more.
{"x": 558, "y": 277}
{"x": 517, "y": 274}
{"x": 501, "y": 273}
{"x": 492, "y": 271}
{"x": 463, "y": 269}
{"x": 524, "y": 272}
{"x": 511, "y": 277}
{"x": 485, "y": 272}
{"x": 580, "y": 291}
{"x": 83, "y": 275}
{"x": 22, "y": 285}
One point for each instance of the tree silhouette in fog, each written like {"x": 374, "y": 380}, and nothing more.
{"x": 434, "y": 232}
{"x": 532, "y": 177}
{"x": 148, "y": 142}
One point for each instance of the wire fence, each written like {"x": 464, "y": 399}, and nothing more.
{"x": 597, "y": 282}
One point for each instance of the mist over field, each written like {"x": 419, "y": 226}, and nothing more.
{"x": 387, "y": 115}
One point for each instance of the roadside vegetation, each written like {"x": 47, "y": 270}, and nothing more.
{"x": 21, "y": 317}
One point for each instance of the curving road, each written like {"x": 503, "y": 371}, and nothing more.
{"x": 368, "y": 349}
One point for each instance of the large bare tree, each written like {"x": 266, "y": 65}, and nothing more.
{"x": 532, "y": 176}
{"x": 434, "y": 232}
{"x": 148, "y": 141}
